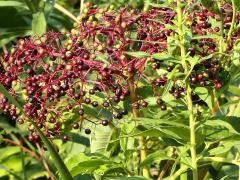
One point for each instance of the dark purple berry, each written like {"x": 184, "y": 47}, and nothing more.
{"x": 94, "y": 103}
{"x": 81, "y": 112}
{"x": 105, "y": 122}
{"x": 87, "y": 131}
{"x": 163, "y": 107}
{"x": 75, "y": 125}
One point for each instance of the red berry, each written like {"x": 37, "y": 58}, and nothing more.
{"x": 218, "y": 85}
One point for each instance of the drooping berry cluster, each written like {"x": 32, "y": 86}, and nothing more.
{"x": 89, "y": 66}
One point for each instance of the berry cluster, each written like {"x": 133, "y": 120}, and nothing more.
{"x": 90, "y": 62}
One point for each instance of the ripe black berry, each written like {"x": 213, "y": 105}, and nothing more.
{"x": 163, "y": 107}
{"x": 124, "y": 112}
{"x": 169, "y": 68}
{"x": 94, "y": 103}
{"x": 87, "y": 131}
{"x": 159, "y": 101}
{"x": 105, "y": 122}
{"x": 193, "y": 79}
{"x": 65, "y": 138}
{"x": 75, "y": 125}
{"x": 87, "y": 100}
{"x": 92, "y": 91}
{"x": 81, "y": 112}
{"x": 105, "y": 104}
{"x": 191, "y": 51}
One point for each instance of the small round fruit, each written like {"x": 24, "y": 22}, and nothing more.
{"x": 169, "y": 68}
{"x": 87, "y": 100}
{"x": 105, "y": 104}
{"x": 193, "y": 79}
{"x": 159, "y": 101}
{"x": 65, "y": 138}
{"x": 75, "y": 125}
{"x": 105, "y": 122}
{"x": 144, "y": 104}
{"x": 87, "y": 131}
{"x": 124, "y": 112}
{"x": 92, "y": 91}
{"x": 202, "y": 83}
{"x": 81, "y": 112}
{"x": 218, "y": 85}
{"x": 94, "y": 103}
{"x": 163, "y": 107}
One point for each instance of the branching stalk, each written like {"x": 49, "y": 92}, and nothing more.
{"x": 189, "y": 92}
{"x": 232, "y": 23}
{"x": 178, "y": 172}
{"x": 135, "y": 115}
{"x": 81, "y": 6}
{"x": 66, "y": 12}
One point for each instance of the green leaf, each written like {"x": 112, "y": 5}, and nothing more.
{"x": 156, "y": 157}
{"x": 237, "y": 110}
{"x": 212, "y": 36}
{"x": 12, "y": 33}
{"x": 234, "y": 89}
{"x": 127, "y": 143}
{"x": 11, "y": 3}
{"x": 8, "y": 151}
{"x": 4, "y": 124}
{"x": 217, "y": 130}
{"x": 55, "y": 156}
{"x": 203, "y": 93}
{"x": 237, "y": 4}
{"x": 100, "y": 139}
{"x": 139, "y": 54}
{"x": 211, "y": 5}
{"x": 221, "y": 149}
{"x": 165, "y": 57}
{"x": 90, "y": 163}
{"x": 123, "y": 178}
{"x": 39, "y": 23}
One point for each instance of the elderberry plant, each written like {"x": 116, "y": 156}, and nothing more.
{"x": 156, "y": 78}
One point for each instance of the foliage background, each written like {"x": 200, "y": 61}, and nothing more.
{"x": 22, "y": 19}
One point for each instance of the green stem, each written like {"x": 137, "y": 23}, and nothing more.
{"x": 220, "y": 160}
{"x": 141, "y": 139}
{"x": 232, "y": 23}
{"x": 81, "y": 6}
{"x": 221, "y": 31}
{"x": 146, "y": 5}
{"x": 189, "y": 93}
{"x": 31, "y": 6}
{"x": 179, "y": 172}
{"x": 23, "y": 165}
{"x": 66, "y": 12}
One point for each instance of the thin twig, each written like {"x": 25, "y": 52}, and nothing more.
{"x": 45, "y": 162}
{"x": 166, "y": 166}
{"x": 23, "y": 148}
{"x": 66, "y": 12}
